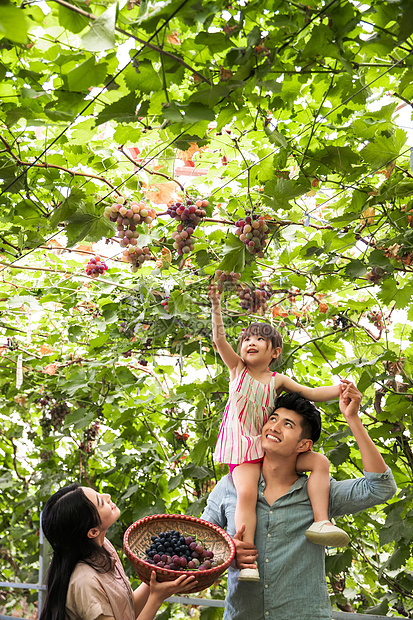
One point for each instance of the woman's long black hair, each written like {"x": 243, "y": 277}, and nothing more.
{"x": 66, "y": 520}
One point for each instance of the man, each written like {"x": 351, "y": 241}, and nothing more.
{"x": 291, "y": 568}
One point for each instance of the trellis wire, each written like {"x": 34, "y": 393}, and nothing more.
{"x": 113, "y": 78}
{"x": 155, "y": 156}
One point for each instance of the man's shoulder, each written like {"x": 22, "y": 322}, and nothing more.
{"x": 221, "y": 501}
{"x": 225, "y": 485}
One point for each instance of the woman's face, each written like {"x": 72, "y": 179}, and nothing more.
{"x": 108, "y": 511}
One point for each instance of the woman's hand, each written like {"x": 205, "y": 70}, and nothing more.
{"x": 164, "y": 589}
{"x": 159, "y": 591}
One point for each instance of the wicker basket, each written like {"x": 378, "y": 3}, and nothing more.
{"x": 138, "y": 538}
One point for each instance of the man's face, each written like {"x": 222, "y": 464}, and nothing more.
{"x": 282, "y": 433}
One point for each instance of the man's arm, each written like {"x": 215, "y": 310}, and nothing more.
{"x": 378, "y": 486}
{"x": 350, "y": 399}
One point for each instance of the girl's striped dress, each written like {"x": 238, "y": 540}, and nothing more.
{"x": 249, "y": 405}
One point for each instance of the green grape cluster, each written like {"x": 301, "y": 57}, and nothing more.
{"x": 127, "y": 216}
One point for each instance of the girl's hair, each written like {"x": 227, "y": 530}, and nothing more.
{"x": 66, "y": 520}
{"x": 265, "y": 330}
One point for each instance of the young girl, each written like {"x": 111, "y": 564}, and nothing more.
{"x": 252, "y": 392}
{"x": 86, "y": 580}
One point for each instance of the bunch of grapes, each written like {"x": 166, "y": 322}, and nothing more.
{"x": 89, "y": 437}
{"x": 375, "y": 275}
{"x": 377, "y": 320}
{"x": 253, "y": 232}
{"x": 46, "y": 425}
{"x": 126, "y": 329}
{"x": 58, "y": 413}
{"x": 164, "y": 303}
{"x": 226, "y": 280}
{"x": 95, "y": 267}
{"x": 255, "y": 300}
{"x": 175, "y": 551}
{"x": 189, "y": 216}
{"x": 137, "y": 256}
{"x": 147, "y": 344}
{"x": 341, "y": 322}
{"x": 43, "y": 401}
{"x": 92, "y": 432}
{"x": 127, "y": 216}
{"x": 46, "y": 455}
{"x": 12, "y": 344}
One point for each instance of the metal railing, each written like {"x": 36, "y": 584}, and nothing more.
{"x": 183, "y": 600}
{"x": 336, "y": 615}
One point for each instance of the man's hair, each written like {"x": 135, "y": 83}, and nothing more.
{"x": 310, "y": 415}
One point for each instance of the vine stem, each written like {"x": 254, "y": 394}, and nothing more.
{"x": 143, "y": 167}
{"x": 67, "y": 273}
{"x": 72, "y": 173}
{"x": 22, "y": 478}
{"x": 318, "y": 348}
{"x": 334, "y": 333}
{"x": 63, "y": 249}
{"x": 76, "y": 9}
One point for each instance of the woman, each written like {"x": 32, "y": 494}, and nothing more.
{"x": 86, "y": 580}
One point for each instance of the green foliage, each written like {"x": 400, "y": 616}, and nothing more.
{"x": 280, "y": 111}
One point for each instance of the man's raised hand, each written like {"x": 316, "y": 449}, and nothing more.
{"x": 350, "y": 399}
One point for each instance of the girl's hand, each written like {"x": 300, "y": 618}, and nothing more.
{"x": 168, "y": 588}
{"x": 350, "y": 399}
{"x": 214, "y": 294}
{"x": 344, "y": 383}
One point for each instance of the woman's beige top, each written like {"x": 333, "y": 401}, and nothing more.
{"x": 92, "y": 594}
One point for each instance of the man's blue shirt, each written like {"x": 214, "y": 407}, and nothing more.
{"x": 292, "y": 571}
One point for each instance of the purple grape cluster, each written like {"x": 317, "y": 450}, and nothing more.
{"x": 95, "y": 267}
{"x": 175, "y": 551}
{"x": 226, "y": 280}
{"x": 253, "y": 232}
{"x": 58, "y": 413}
{"x": 137, "y": 256}
{"x": 189, "y": 215}
{"x": 255, "y": 300}
{"x": 89, "y": 437}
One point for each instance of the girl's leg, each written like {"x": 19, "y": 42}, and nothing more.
{"x": 318, "y": 485}
{"x": 322, "y": 532}
{"x": 245, "y": 477}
